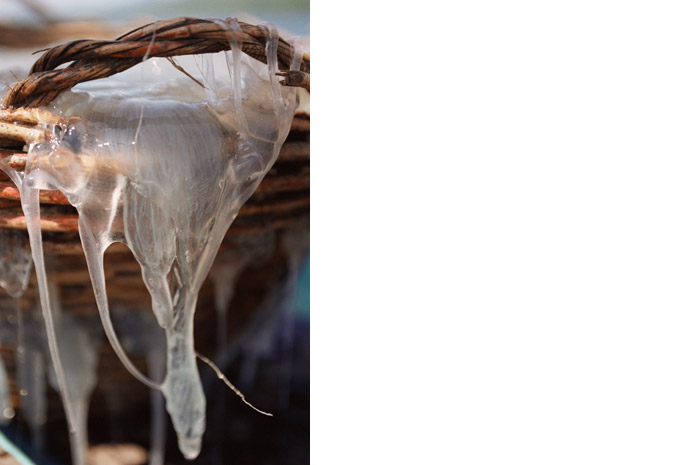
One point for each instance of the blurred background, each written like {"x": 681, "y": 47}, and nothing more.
{"x": 267, "y": 355}
{"x": 291, "y": 15}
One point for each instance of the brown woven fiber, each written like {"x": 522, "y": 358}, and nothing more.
{"x": 96, "y": 59}
{"x": 283, "y": 195}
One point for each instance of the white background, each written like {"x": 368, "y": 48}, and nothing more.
{"x": 505, "y": 233}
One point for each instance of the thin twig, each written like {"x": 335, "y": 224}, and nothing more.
{"x": 229, "y": 384}
{"x": 179, "y": 68}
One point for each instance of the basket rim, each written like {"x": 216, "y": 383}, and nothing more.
{"x": 97, "y": 59}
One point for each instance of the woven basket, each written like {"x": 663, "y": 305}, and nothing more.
{"x": 279, "y": 206}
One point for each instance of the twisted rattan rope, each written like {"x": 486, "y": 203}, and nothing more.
{"x": 96, "y": 59}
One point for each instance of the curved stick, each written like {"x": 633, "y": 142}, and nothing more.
{"x": 96, "y": 59}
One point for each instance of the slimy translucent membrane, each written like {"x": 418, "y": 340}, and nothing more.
{"x": 159, "y": 158}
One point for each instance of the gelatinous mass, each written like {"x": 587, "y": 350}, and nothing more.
{"x": 162, "y": 163}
